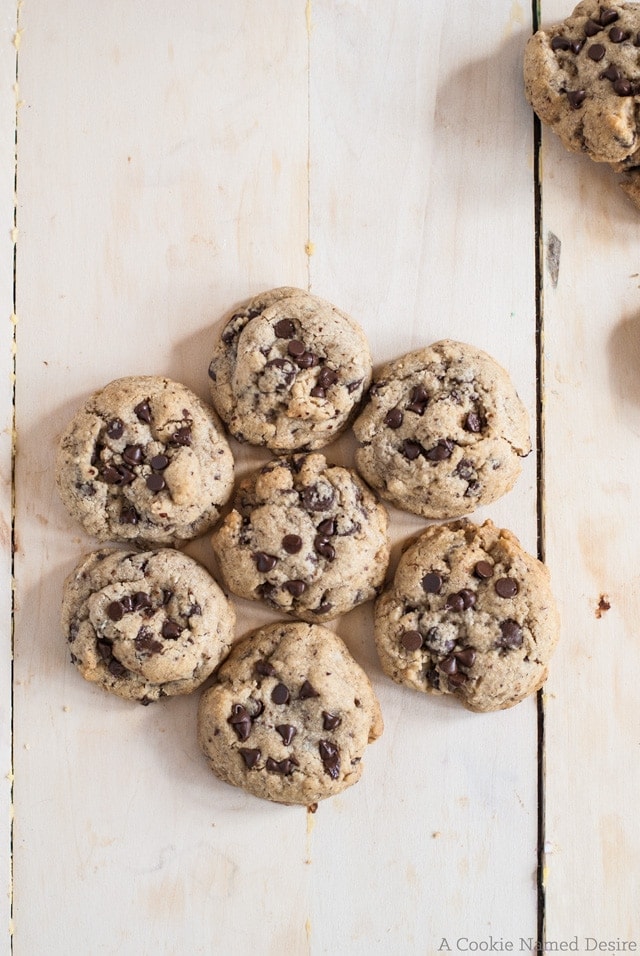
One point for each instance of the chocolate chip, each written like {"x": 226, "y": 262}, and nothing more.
{"x": 394, "y": 418}
{"x": 454, "y": 602}
{"x": 441, "y": 451}
{"x": 280, "y": 694}
{"x": 284, "y": 329}
{"x": 467, "y": 657}
{"x": 155, "y": 482}
{"x": 323, "y": 608}
{"x": 327, "y": 526}
{"x": 465, "y": 469}
{"x": 458, "y": 678}
{"x": 132, "y": 454}
{"x": 111, "y": 475}
{"x": 607, "y": 16}
{"x": 212, "y": 372}
{"x": 292, "y": 543}
{"x": 166, "y": 596}
{"x": 115, "y": 428}
{"x": 468, "y": 597}
{"x": 419, "y": 400}
{"x": 296, "y": 348}
{"x": 126, "y": 476}
{"x": 115, "y": 611}
{"x": 411, "y": 449}
{"x": 352, "y": 386}
{"x": 182, "y": 436}
{"x": 511, "y": 634}
{"x": 596, "y": 51}
{"x": 307, "y": 360}
{"x": 591, "y": 28}
{"x": 296, "y": 587}
{"x": 307, "y": 690}
{"x": 230, "y": 332}
{"x": 432, "y": 582}
{"x": 611, "y": 73}
{"x": 116, "y": 668}
{"x": 506, "y": 587}
{"x": 433, "y": 678}
{"x": 287, "y": 732}
{"x": 576, "y": 98}
{"x": 636, "y": 42}
{"x": 330, "y": 721}
{"x": 473, "y": 422}
{"x": 159, "y": 462}
{"x": 315, "y": 498}
{"x": 330, "y": 756}
{"x": 250, "y": 755}
{"x": 265, "y": 668}
{"x": 449, "y": 665}
{"x": 560, "y": 43}
{"x": 265, "y": 562}
{"x": 145, "y": 642}
{"x": 140, "y": 600}
{"x": 324, "y": 547}
{"x": 327, "y": 377}
{"x": 623, "y": 87}
{"x": 576, "y": 46}
{"x": 171, "y": 630}
{"x": 129, "y": 515}
{"x": 317, "y": 392}
{"x": 616, "y": 35}
{"x": 105, "y": 650}
{"x": 411, "y": 640}
{"x": 143, "y": 412}
{"x": 285, "y": 766}
{"x": 483, "y": 570}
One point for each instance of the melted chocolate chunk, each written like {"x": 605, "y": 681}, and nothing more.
{"x": 105, "y": 649}
{"x": 510, "y": 635}
{"x": 115, "y": 428}
{"x": 115, "y": 611}
{"x": 140, "y": 600}
{"x": 182, "y": 436}
{"x": 284, "y": 767}
{"x": 307, "y": 690}
{"x": 287, "y": 732}
{"x": 250, "y": 755}
{"x": 330, "y": 721}
{"x": 473, "y": 422}
{"x": 116, "y": 668}
{"x": 284, "y": 329}
{"x": 327, "y": 377}
{"x": 330, "y": 756}
{"x": 171, "y": 630}
{"x": 442, "y": 450}
{"x": 145, "y": 642}
{"x": 317, "y": 392}
{"x": 265, "y": 669}
{"x": 143, "y": 412}
{"x": 265, "y": 562}
{"x": 316, "y": 498}
{"x": 506, "y": 587}
{"x": 432, "y": 582}
{"x": 394, "y": 418}
{"x": 280, "y": 694}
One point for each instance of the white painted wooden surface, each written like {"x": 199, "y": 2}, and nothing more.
{"x": 171, "y": 161}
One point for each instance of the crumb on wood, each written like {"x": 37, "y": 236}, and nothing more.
{"x": 603, "y": 605}
{"x": 554, "y": 247}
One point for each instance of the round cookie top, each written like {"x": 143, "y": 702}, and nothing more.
{"x": 289, "y": 716}
{"x": 289, "y": 371}
{"x": 145, "y": 461}
{"x": 147, "y": 624}
{"x": 582, "y": 78}
{"x": 468, "y": 613}
{"x": 307, "y": 537}
{"x": 443, "y": 431}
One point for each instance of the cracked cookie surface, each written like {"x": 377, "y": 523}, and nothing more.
{"x": 146, "y": 624}
{"x": 289, "y": 371}
{"x": 582, "y": 78}
{"x": 144, "y": 461}
{"x": 469, "y": 613}
{"x": 289, "y": 716}
{"x": 306, "y": 537}
{"x": 443, "y": 431}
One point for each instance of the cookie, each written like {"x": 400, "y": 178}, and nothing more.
{"x": 582, "y": 78}
{"x": 468, "y": 613}
{"x": 289, "y": 371}
{"x": 289, "y": 716}
{"x": 307, "y": 537}
{"x": 443, "y": 431}
{"x": 145, "y": 461}
{"x": 145, "y": 625}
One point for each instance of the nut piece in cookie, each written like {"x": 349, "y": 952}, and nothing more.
{"x": 289, "y": 716}
{"x": 306, "y": 537}
{"x": 443, "y": 431}
{"x": 147, "y": 624}
{"x": 468, "y": 613}
{"x": 582, "y": 78}
{"x": 145, "y": 461}
{"x": 289, "y": 371}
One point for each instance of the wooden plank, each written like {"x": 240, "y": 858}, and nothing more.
{"x": 592, "y": 451}
{"x": 8, "y": 100}
{"x": 415, "y": 129}
{"x": 163, "y": 178}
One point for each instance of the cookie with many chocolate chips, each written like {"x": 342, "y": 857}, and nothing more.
{"x": 468, "y": 613}
{"x": 145, "y": 461}
{"x": 307, "y": 537}
{"x": 289, "y": 371}
{"x": 147, "y": 624}
{"x": 582, "y": 78}
{"x": 289, "y": 715}
{"x": 443, "y": 431}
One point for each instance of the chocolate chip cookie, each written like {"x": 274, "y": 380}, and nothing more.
{"x": 145, "y": 461}
{"x": 582, "y": 78}
{"x": 306, "y": 537}
{"x": 289, "y": 716}
{"x": 468, "y": 613}
{"x": 147, "y": 624}
{"x": 289, "y": 371}
{"x": 443, "y": 431}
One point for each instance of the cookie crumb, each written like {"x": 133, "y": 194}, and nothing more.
{"x": 603, "y": 605}
{"x": 554, "y": 247}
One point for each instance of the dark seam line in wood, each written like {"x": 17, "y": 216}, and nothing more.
{"x": 540, "y": 495}
{"x": 307, "y": 16}
{"x": 14, "y": 305}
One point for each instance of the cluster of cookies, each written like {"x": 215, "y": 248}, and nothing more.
{"x": 582, "y": 78}
{"x": 289, "y": 713}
